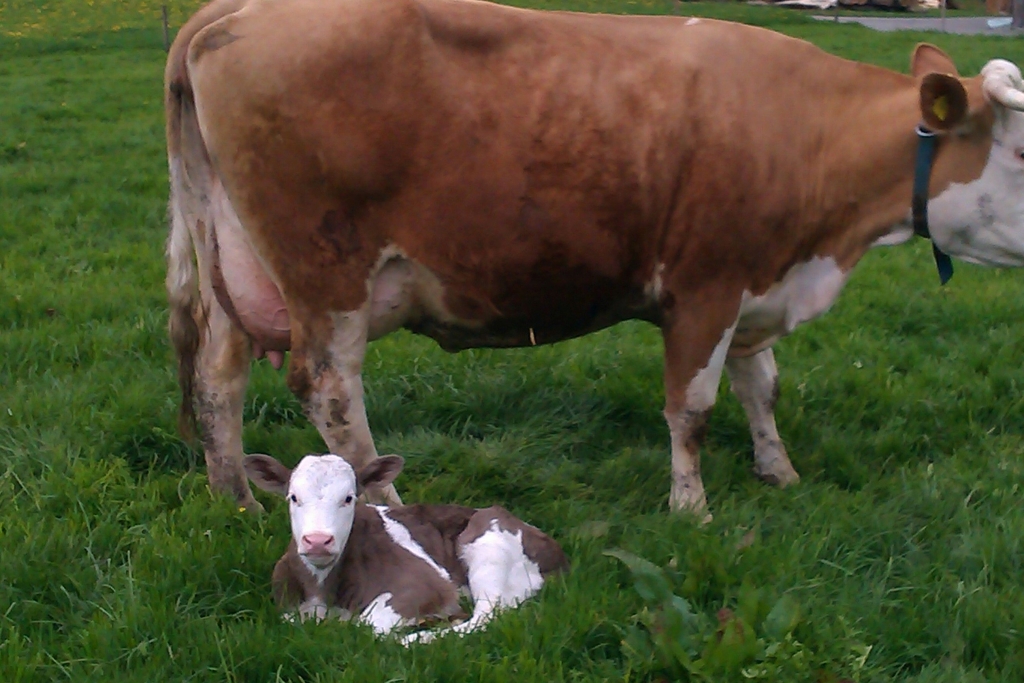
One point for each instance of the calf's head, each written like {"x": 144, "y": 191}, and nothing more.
{"x": 321, "y": 493}
{"x": 979, "y": 215}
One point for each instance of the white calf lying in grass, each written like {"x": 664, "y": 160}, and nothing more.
{"x": 398, "y": 566}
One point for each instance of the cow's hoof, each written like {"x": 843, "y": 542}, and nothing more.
{"x": 688, "y": 498}
{"x": 778, "y": 472}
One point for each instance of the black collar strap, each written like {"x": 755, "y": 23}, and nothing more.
{"x": 922, "y": 174}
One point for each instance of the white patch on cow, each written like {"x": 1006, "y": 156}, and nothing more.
{"x": 656, "y": 284}
{"x": 702, "y": 389}
{"x": 983, "y": 221}
{"x": 804, "y": 293}
{"x": 321, "y": 500}
{"x": 900, "y": 233}
{"x": 181, "y": 272}
{"x": 379, "y": 615}
{"x": 754, "y": 380}
{"x": 400, "y": 535}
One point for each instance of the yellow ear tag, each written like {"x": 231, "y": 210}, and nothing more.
{"x": 940, "y": 107}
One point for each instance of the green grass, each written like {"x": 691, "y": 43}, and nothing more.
{"x": 902, "y": 409}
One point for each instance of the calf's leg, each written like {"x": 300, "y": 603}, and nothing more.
{"x": 755, "y": 381}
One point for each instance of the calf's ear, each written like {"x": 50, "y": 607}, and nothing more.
{"x": 267, "y": 473}
{"x": 380, "y": 472}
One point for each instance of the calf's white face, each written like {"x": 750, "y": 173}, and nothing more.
{"x": 321, "y": 504}
{"x": 321, "y": 493}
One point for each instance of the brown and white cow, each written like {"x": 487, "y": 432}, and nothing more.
{"x": 395, "y": 567}
{"x": 494, "y": 176}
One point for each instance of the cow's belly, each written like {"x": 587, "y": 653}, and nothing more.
{"x": 404, "y": 293}
{"x": 806, "y": 291}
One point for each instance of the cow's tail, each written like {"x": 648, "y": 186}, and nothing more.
{"x": 191, "y": 179}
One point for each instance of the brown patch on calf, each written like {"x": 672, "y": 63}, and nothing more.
{"x": 370, "y": 565}
{"x": 437, "y": 529}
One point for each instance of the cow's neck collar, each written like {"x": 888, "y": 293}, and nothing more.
{"x": 926, "y": 140}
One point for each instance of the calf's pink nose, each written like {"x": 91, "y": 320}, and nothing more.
{"x": 317, "y": 543}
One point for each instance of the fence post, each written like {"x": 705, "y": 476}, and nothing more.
{"x": 943, "y": 4}
{"x": 167, "y": 32}
{"x": 1018, "y": 14}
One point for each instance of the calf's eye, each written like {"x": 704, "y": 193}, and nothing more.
{"x": 293, "y": 498}
{"x": 348, "y": 499}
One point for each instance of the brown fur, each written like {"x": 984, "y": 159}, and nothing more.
{"x": 372, "y": 563}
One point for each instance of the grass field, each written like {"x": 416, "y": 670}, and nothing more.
{"x": 901, "y": 554}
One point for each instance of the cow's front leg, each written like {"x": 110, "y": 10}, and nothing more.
{"x": 755, "y": 381}
{"x": 223, "y": 374}
{"x": 325, "y": 374}
{"x": 696, "y": 344}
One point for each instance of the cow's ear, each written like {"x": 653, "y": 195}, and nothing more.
{"x": 928, "y": 59}
{"x": 267, "y": 473}
{"x": 944, "y": 102}
{"x": 380, "y": 472}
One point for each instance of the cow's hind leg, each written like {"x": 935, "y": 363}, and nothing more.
{"x": 325, "y": 374}
{"x": 223, "y": 373}
{"x": 696, "y": 340}
{"x": 755, "y": 381}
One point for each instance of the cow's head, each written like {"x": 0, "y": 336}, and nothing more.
{"x": 321, "y": 493}
{"x": 979, "y": 215}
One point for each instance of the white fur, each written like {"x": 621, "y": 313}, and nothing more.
{"x": 401, "y": 536}
{"x": 701, "y": 392}
{"x": 500, "y": 576}
{"x": 655, "y": 285}
{"x": 983, "y": 221}
{"x": 317, "y": 610}
{"x": 687, "y": 488}
{"x": 181, "y": 269}
{"x": 321, "y": 485}
{"x": 379, "y": 615}
{"x": 805, "y": 292}
{"x": 753, "y": 379}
